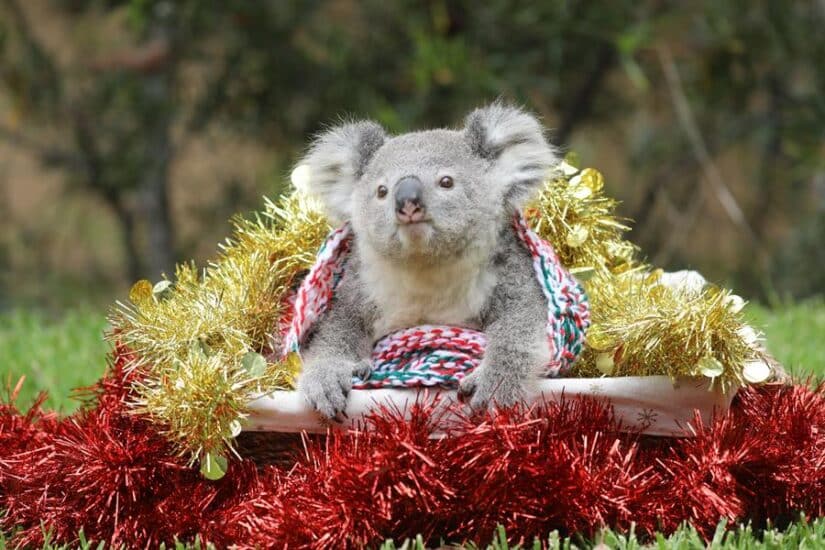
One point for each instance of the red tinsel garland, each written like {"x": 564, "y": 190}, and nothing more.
{"x": 564, "y": 467}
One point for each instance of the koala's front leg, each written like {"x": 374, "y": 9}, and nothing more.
{"x": 326, "y": 383}
{"x": 510, "y": 366}
{"x": 337, "y": 349}
{"x": 517, "y": 346}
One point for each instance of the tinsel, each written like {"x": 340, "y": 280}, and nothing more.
{"x": 205, "y": 341}
{"x": 104, "y": 471}
{"x": 640, "y": 325}
{"x": 573, "y": 214}
{"x": 19, "y": 432}
{"x": 553, "y": 466}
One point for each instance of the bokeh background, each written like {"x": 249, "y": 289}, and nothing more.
{"x": 131, "y": 131}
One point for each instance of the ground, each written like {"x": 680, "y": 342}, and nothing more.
{"x": 59, "y": 354}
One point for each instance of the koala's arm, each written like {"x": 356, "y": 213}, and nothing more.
{"x": 514, "y": 321}
{"x": 337, "y": 348}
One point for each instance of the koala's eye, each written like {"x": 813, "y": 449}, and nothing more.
{"x": 446, "y": 182}
{"x": 382, "y": 191}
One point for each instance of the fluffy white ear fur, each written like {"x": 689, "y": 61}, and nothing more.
{"x": 514, "y": 142}
{"x": 335, "y": 162}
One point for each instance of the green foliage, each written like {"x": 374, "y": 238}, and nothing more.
{"x": 84, "y": 544}
{"x": 802, "y": 534}
{"x": 55, "y": 355}
{"x": 161, "y": 73}
{"x": 794, "y": 335}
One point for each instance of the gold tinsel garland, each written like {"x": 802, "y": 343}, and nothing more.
{"x": 208, "y": 341}
{"x": 640, "y": 325}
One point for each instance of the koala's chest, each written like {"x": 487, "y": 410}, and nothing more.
{"x": 452, "y": 295}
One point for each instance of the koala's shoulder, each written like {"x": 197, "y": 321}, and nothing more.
{"x": 515, "y": 274}
{"x": 510, "y": 253}
{"x": 350, "y": 294}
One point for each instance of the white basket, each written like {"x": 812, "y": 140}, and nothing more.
{"x": 653, "y": 405}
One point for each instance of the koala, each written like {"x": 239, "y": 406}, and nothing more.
{"x": 433, "y": 243}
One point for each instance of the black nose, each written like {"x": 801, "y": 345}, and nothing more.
{"x": 408, "y": 197}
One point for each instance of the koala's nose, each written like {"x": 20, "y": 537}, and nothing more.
{"x": 409, "y": 203}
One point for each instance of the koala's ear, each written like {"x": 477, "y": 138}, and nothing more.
{"x": 337, "y": 160}
{"x": 513, "y": 141}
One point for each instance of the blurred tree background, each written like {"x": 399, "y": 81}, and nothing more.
{"x": 130, "y": 131}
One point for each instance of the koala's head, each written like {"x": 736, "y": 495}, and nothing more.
{"x": 430, "y": 194}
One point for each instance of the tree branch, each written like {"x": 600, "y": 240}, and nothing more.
{"x": 48, "y": 155}
{"x": 772, "y": 154}
{"x": 657, "y": 184}
{"x": 213, "y": 97}
{"x": 713, "y": 180}
{"x": 586, "y": 93}
{"x": 681, "y": 227}
{"x": 38, "y": 52}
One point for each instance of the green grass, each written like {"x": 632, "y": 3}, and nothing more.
{"x": 795, "y": 335}
{"x": 59, "y": 354}
{"x": 801, "y": 534}
{"x": 54, "y": 355}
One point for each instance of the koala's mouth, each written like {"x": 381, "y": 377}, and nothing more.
{"x": 414, "y": 225}
{"x": 416, "y": 219}
{"x": 414, "y": 233}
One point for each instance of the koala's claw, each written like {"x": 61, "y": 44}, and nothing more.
{"x": 326, "y": 390}
{"x": 483, "y": 391}
{"x": 466, "y": 387}
{"x": 362, "y": 369}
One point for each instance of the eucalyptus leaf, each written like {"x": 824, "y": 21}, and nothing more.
{"x": 201, "y": 346}
{"x": 583, "y": 274}
{"x": 213, "y": 466}
{"x": 254, "y": 363}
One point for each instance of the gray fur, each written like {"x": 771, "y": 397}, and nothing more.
{"x": 464, "y": 266}
{"x": 514, "y": 321}
{"x": 338, "y": 159}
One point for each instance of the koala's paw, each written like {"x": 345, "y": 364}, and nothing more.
{"x": 484, "y": 389}
{"x": 362, "y": 369}
{"x": 326, "y": 388}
